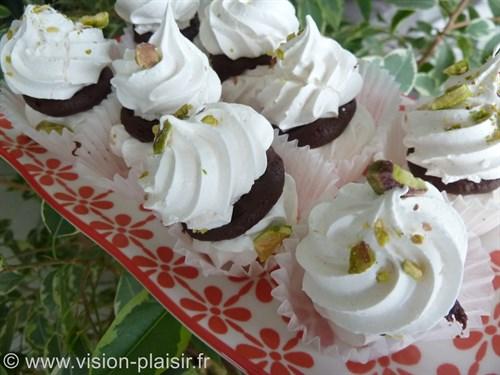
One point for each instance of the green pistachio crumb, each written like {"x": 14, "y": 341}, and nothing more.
{"x": 210, "y": 120}
{"x": 204, "y": 171}
{"x": 361, "y": 258}
{"x": 412, "y": 269}
{"x": 99, "y": 20}
{"x": 49, "y": 127}
{"x": 8, "y": 59}
{"x": 200, "y": 231}
{"x": 482, "y": 114}
{"x": 382, "y": 276}
{"x": 290, "y": 36}
{"x": 88, "y": 51}
{"x": 460, "y": 67}
{"x": 270, "y": 239}
{"x": 417, "y": 239}
{"x": 183, "y": 112}
{"x": 280, "y": 54}
{"x": 493, "y": 137}
{"x": 10, "y": 34}
{"x": 381, "y": 233}
{"x": 40, "y": 8}
{"x": 162, "y": 138}
{"x": 52, "y": 29}
{"x": 144, "y": 175}
{"x": 453, "y": 127}
{"x": 453, "y": 97}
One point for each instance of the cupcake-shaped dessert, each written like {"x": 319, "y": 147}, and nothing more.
{"x": 309, "y": 93}
{"x": 168, "y": 75}
{"x": 217, "y": 174}
{"x": 384, "y": 259}
{"x": 453, "y": 140}
{"x": 60, "y": 67}
{"x": 146, "y": 16}
{"x": 241, "y": 34}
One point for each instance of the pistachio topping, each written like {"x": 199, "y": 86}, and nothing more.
{"x": 8, "y": 59}
{"x": 162, "y": 138}
{"x": 382, "y": 276}
{"x": 10, "y": 34}
{"x": 361, "y": 258}
{"x": 280, "y": 54}
{"x": 453, "y": 97}
{"x": 146, "y": 55}
{"x": 384, "y": 175}
{"x": 412, "y": 269}
{"x": 271, "y": 239}
{"x": 453, "y": 127}
{"x": 417, "y": 239}
{"x": 482, "y": 114}
{"x": 99, "y": 20}
{"x": 493, "y": 137}
{"x": 210, "y": 120}
{"x": 291, "y": 36}
{"x": 144, "y": 175}
{"x": 88, "y": 51}
{"x": 460, "y": 67}
{"x": 52, "y": 29}
{"x": 200, "y": 231}
{"x": 183, "y": 112}
{"x": 381, "y": 233}
{"x": 49, "y": 127}
{"x": 40, "y": 8}
{"x": 204, "y": 171}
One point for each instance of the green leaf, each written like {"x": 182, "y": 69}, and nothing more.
{"x": 448, "y": 6}
{"x": 128, "y": 288}
{"x": 4, "y": 12}
{"x": 55, "y": 223}
{"x": 142, "y": 328}
{"x": 413, "y": 4}
{"x": 312, "y": 8}
{"x": 9, "y": 281}
{"x": 473, "y": 14}
{"x": 333, "y": 11}
{"x": 399, "y": 17}
{"x": 184, "y": 339}
{"x": 444, "y": 58}
{"x": 47, "y": 293}
{"x": 37, "y": 331}
{"x": 403, "y": 67}
{"x": 3, "y": 371}
{"x": 489, "y": 47}
{"x": 426, "y": 85}
{"x": 7, "y": 332}
{"x": 479, "y": 28}
{"x": 365, "y": 7}
{"x": 495, "y": 7}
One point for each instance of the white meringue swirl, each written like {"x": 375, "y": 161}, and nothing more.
{"x": 450, "y": 143}
{"x": 47, "y": 56}
{"x": 360, "y": 307}
{"x": 183, "y": 76}
{"x": 147, "y": 15}
{"x": 242, "y": 28}
{"x": 313, "y": 78}
{"x": 205, "y": 169}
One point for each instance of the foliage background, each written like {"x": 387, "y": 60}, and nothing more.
{"x": 61, "y": 295}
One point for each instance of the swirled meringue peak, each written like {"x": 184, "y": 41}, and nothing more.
{"x": 243, "y": 28}
{"x": 313, "y": 76}
{"x": 386, "y": 263}
{"x": 457, "y": 136}
{"x": 146, "y": 15}
{"x": 46, "y": 55}
{"x": 204, "y": 164}
{"x": 181, "y": 75}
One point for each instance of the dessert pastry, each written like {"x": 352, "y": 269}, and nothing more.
{"x": 146, "y": 16}
{"x": 193, "y": 175}
{"x": 384, "y": 258}
{"x": 309, "y": 95}
{"x": 60, "y": 67}
{"x": 240, "y": 34}
{"x": 169, "y": 75}
{"x": 453, "y": 141}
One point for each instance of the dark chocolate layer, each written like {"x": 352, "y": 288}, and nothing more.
{"x": 82, "y": 101}
{"x": 323, "y": 130}
{"x": 189, "y": 32}
{"x": 462, "y": 187}
{"x": 138, "y": 127}
{"x": 226, "y": 68}
{"x": 253, "y": 206}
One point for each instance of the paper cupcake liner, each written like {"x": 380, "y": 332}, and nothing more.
{"x": 380, "y": 96}
{"x": 476, "y": 296}
{"x": 315, "y": 180}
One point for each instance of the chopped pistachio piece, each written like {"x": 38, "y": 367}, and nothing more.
{"x": 162, "y": 138}
{"x": 99, "y": 20}
{"x": 460, "y": 67}
{"x": 271, "y": 239}
{"x": 361, "y": 258}
{"x": 280, "y": 54}
{"x": 210, "y": 120}
{"x": 412, "y": 269}
{"x": 494, "y": 137}
{"x": 384, "y": 175}
{"x": 10, "y": 34}
{"x": 144, "y": 175}
{"x": 49, "y": 127}
{"x": 200, "y": 231}
{"x": 382, "y": 276}
{"x": 417, "y": 239}
{"x": 453, "y": 97}
{"x": 88, "y": 51}
{"x": 453, "y": 127}
{"x": 8, "y": 59}
{"x": 40, "y": 8}
{"x": 204, "y": 171}
{"x": 183, "y": 112}
{"x": 52, "y": 29}
{"x": 482, "y": 114}
{"x": 290, "y": 36}
{"x": 146, "y": 55}
{"x": 381, "y": 233}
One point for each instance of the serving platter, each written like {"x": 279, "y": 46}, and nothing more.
{"x": 237, "y": 316}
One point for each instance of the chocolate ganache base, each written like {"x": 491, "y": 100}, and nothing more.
{"x": 137, "y": 127}
{"x": 460, "y": 187}
{"x": 227, "y": 68}
{"x": 189, "y": 32}
{"x": 82, "y": 101}
{"x": 323, "y": 130}
{"x": 253, "y": 206}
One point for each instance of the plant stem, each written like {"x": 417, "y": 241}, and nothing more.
{"x": 439, "y": 38}
{"x": 459, "y": 25}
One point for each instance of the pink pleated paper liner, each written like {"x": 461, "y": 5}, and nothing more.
{"x": 476, "y": 297}
{"x": 315, "y": 180}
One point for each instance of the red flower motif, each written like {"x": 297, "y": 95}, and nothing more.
{"x": 281, "y": 359}
{"x": 122, "y": 230}
{"x": 481, "y": 339}
{"x": 4, "y": 123}
{"x": 53, "y": 171}
{"x": 21, "y": 146}
{"x": 84, "y": 200}
{"x": 220, "y": 315}
{"x": 409, "y": 356}
{"x": 495, "y": 264}
{"x": 263, "y": 284}
{"x": 168, "y": 269}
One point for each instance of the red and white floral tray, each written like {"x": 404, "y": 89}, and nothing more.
{"x": 236, "y": 316}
